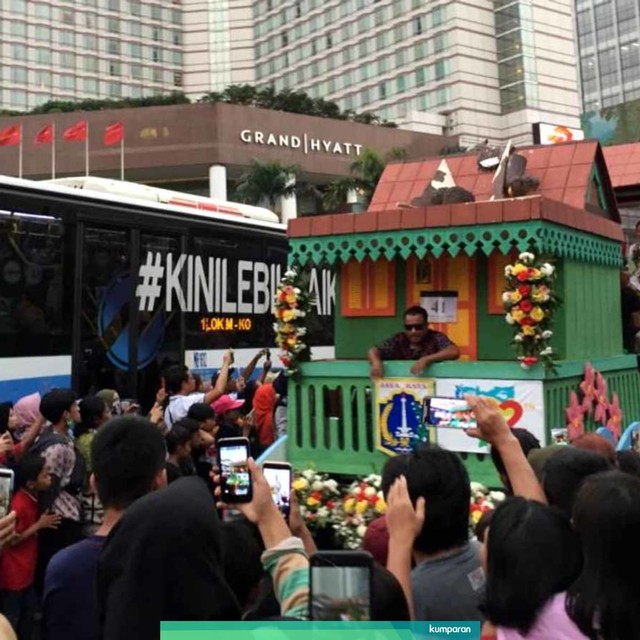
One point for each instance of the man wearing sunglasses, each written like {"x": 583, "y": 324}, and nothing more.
{"x": 417, "y": 342}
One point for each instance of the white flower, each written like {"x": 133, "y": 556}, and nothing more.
{"x": 301, "y": 331}
{"x": 519, "y": 337}
{"x": 323, "y": 512}
{"x": 290, "y": 273}
{"x": 477, "y": 487}
{"x": 297, "y": 291}
{"x": 380, "y": 495}
{"x": 303, "y": 510}
{"x": 526, "y": 257}
{"x": 299, "y": 314}
{"x": 497, "y": 496}
{"x": 525, "y": 366}
{"x": 317, "y": 486}
{"x": 547, "y": 334}
{"x": 547, "y": 269}
{"x": 276, "y": 326}
{"x": 331, "y": 484}
{"x": 369, "y": 492}
{"x": 361, "y": 530}
{"x": 506, "y": 297}
{"x": 546, "y": 352}
{"x": 309, "y": 474}
{"x": 509, "y": 319}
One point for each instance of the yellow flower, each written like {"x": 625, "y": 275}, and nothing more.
{"x": 537, "y": 314}
{"x": 519, "y": 268}
{"x": 312, "y": 502}
{"x": 475, "y": 516}
{"x": 362, "y": 506}
{"x": 528, "y": 331}
{"x": 288, "y": 315}
{"x": 292, "y": 341}
{"x": 291, "y": 299}
{"x": 515, "y": 297}
{"x": 535, "y": 274}
{"x": 517, "y": 315}
{"x": 349, "y": 505}
{"x": 300, "y": 484}
{"x": 381, "y": 506}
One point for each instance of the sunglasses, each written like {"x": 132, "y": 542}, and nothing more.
{"x": 414, "y": 327}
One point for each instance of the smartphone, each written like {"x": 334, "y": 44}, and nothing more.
{"x": 340, "y": 585}
{"x": 6, "y": 488}
{"x": 233, "y": 462}
{"x": 453, "y": 413}
{"x": 129, "y": 406}
{"x": 278, "y": 475}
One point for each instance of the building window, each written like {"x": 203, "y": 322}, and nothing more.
{"x": 91, "y": 64}
{"x": 177, "y": 79}
{"x": 155, "y": 34}
{"x": 113, "y": 25}
{"x": 513, "y": 98}
{"x": 114, "y": 68}
{"x": 43, "y": 11}
{"x": 382, "y": 90}
{"x": 68, "y": 60}
{"x": 401, "y": 84}
{"x": 43, "y": 33}
{"x": 136, "y": 71}
{"x": 43, "y": 79}
{"x": 156, "y": 12}
{"x": 19, "y": 29}
{"x": 156, "y": 54}
{"x": 134, "y": 8}
{"x": 441, "y": 69}
{"x": 114, "y": 89}
{"x": 604, "y": 18}
{"x": 42, "y": 56}
{"x": 630, "y": 60}
{"x": 439, "y": 43}
{"x": 67, "y": 38}
{"x": 417, "y": 26}
{"x": 114, "y": 5}
{"x": 68, "y": 83}
{"x": 19, "y": 52}
{"x": 113, "y": 47}
{"x": 437, "y": 16}
{"x": 421, "y": 76}
{"x": 608, "y": 63}
{"x": 19, "y": 75}
{"x": 19, "y": 6}
{"x": 18, "y": 99}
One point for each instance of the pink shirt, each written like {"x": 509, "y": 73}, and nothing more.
{"x": 552, "y": 622}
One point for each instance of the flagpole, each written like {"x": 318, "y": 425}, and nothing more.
{"x": 53, "y": 151}
{"x": 20, "y": 155}
{"x": 122, "y": 157}
{"x": 86, "y": 151}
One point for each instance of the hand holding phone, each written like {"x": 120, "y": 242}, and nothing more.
{"x": 6, "y": 487}
{"x": 452, "y": 413}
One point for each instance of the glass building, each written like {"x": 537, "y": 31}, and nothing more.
{"x": 489, "y": 68}
{"x": 609, "y": 47}
{"x": 72, "y": 50}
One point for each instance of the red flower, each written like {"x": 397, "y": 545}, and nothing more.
{"x": 526, "y": 306}
{"x": 523, "y": 276}
{"x": 529, "y": 360}
{"x": 524, "y": 290}
{"x": 317, "y": 495}
{"x": 373, "y": 500}
{"x": 527, "y": 321}
{"x": 330, "y": 504}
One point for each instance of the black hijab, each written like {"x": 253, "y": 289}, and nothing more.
{"x": 163, "y": 562}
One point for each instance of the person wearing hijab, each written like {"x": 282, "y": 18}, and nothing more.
{"x": 264, "y": 403}
{"x": 111, "y": 398}
{"x": 27, "y": 410}
{"x": 164, "y": 561}
{"x": 10, "y": 448}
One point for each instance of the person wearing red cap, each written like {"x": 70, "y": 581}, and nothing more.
{"x": 227, "y": 414}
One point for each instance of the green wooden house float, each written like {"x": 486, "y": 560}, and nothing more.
{"x": 393, "y": 256}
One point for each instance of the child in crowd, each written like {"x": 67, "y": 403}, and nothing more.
{"x": 179, "y": 450}
{"x": 18, "y": 560}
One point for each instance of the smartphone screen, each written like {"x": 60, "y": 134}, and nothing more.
{"x": 233, "y": 454}
{"x": 6, "y": 487}
{"x": 340, "y": 591}
{"x": 279, "y": 478}
{"x": 453, "y": 413}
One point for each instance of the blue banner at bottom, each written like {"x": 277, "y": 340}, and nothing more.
{"x": 298, "y": 630}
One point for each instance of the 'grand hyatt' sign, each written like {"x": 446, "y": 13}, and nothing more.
{"x": 304, "y": 142}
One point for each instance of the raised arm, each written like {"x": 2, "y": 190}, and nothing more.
{"x": 247, "y": 372}
{"x": 493, "y": 428}
{"x": 221, "y": 382}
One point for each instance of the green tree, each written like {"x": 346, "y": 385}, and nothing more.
{"x": 365, "y": 175}
{"x": 264, "y": 183}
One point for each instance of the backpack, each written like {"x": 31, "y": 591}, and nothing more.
{"x": 78, "y": 475}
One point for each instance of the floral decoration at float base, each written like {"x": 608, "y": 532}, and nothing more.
{"x": 530, "y": 303}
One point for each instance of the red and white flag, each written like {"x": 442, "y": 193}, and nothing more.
{"x": 76, "y": 132}
{"x": 11, "y": 135}
{"x": 45, "y": 135}
{"x": 113, "y": 134}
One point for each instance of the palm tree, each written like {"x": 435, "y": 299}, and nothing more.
{"x": 365, "y": 174}
{"x": 264, "y": 183}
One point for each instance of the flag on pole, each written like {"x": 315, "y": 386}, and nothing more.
{"x": 11, "y": 135}
{"x": 76, "y": 132}
{"x": 113, "y": 134}
{"x": 45, "y": 135}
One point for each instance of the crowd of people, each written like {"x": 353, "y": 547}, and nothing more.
{"x": 116, "y": 523}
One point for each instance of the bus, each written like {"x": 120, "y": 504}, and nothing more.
{"x": 104, "y": 283}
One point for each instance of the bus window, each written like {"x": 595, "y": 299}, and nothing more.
{"x": 35, "y": 303}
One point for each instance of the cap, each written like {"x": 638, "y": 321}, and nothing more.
{"x": 226, "y": 403}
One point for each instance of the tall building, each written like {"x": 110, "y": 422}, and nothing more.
{"x": 475, "y": 68}
{"x": 609, "y": 48}
{"x": 77, "y": 49}
{"x": 218, "y": 45}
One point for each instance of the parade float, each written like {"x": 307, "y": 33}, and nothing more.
{"x": 516, "y": 256}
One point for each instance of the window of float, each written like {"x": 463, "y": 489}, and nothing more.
{"x": 367, "y": 288}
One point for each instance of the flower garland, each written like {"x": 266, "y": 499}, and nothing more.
{"x": 529, "y": 303}
{"x": 362, "y": 503}
{"x": 318, "y": 496}
{"x": 292, "y": 306}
